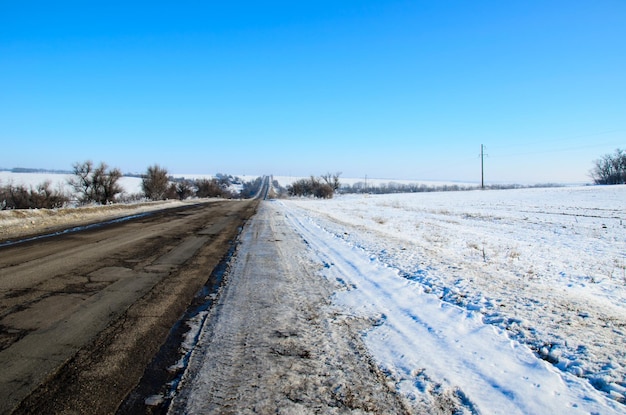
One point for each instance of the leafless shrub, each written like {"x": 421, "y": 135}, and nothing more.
{"x": 311, "y": 187}
{"x": 212, "y": 188}
{"x": 155, "y": 182}
{"x": 181, "y": 189}
{"x": 332, "y": 180}
{"x": 130, "y": 198}
{"x": 95, "y": 184}
{"x": 40, "y": 197}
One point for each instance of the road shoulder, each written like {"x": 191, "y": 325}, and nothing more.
{"x": 275, "y": 343}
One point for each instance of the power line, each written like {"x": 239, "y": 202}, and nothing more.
{"x": 559, "y": 150}
{"x": 556, "y": 140}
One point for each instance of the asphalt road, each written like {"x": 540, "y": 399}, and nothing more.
{"x": 82, "y": 314}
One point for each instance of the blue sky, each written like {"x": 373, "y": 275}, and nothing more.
{"x": 387, "y": 89}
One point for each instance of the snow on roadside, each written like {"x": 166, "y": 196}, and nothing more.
{"x": 16, "y": 223}
{"x": 512, "y": 276}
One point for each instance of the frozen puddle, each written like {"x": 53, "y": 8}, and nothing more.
{"x": 429, "y": 347}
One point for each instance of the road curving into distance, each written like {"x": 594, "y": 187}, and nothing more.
{"x": 83, "y": 313}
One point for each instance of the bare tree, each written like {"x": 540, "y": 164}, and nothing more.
{"x": 95, "y": 184}
{"x": 155, "y": 182}
{"x": 332, "y": 180}
{"x": 81, "y": 182}
{"x": 107, "y": 183}
{"x": 610, "y": 169}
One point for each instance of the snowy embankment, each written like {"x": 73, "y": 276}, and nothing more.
{"x": 16, "y": 223}
{"x": 515, "y": 299}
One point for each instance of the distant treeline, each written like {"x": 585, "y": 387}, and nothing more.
{"x": 28, "y": 170}
{"x": 393, "y": 187}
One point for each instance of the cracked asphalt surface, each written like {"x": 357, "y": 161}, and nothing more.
{"x": 82, "y": 314}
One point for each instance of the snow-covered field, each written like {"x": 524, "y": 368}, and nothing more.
{"x": 515, "y": 299}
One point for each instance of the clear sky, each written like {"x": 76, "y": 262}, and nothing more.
{"x": 387, "y": 89}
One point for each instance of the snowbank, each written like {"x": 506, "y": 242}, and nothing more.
{"x": 18, "y": 222}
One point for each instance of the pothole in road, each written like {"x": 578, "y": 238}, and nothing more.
{"x": 110, "y": 274}
{"x": 43, "y": 313}
{"x": 10, "y": 335}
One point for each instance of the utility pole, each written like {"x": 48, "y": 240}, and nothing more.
{"x": 482, "y": 167}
